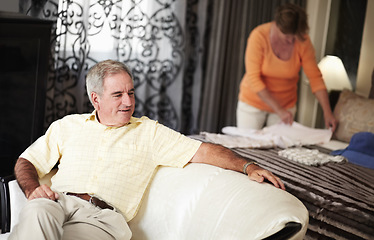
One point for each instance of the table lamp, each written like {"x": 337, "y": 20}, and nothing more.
{"x": 334, "y": 73}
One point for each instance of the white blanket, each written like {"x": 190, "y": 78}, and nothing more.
{"x": 280, "y": 135}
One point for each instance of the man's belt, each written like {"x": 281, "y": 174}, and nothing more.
{"x": 93, "y": 200}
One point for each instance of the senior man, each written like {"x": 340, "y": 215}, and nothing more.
{"x": 105, "y": 161}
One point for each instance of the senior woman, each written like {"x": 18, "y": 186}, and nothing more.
{"x": 275, "y": 53}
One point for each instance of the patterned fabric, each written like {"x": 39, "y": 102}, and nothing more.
{"x": 159, "y": 40}
{"x": 339, "y": 197}
{"x": 311, "y": 157}
{"x": 355, "y": 114}
{"x": 116, "y": 164}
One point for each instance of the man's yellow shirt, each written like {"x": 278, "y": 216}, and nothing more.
{"x": 112, "y": 163}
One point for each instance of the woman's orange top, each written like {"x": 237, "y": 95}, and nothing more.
{"x": 265, "y": 70}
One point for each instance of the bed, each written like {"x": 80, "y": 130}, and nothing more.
{"x": 338, "y": 196}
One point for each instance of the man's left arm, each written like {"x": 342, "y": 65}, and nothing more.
{"x": 219, "y": 156}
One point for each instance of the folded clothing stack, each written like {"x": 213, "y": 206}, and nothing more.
{"x": 311, "y": 157}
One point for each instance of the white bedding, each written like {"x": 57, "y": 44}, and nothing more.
{"x": 279, "y": 135}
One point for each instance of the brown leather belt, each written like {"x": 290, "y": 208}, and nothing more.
{"x": 93, "y": 200}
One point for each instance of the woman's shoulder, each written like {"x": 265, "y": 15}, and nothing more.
{"x": 261, "y": 31}
{"x": 304, "y": 45}
{"x": 263, "y": 28}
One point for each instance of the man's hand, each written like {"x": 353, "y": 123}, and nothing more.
{"x": 220, "y": 156}
{"x": 28, "y": 180}
{"x": 258, "y": 174}
{"x": 43, "y": 191}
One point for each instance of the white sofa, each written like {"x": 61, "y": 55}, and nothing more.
{"x": 206, "y": 202}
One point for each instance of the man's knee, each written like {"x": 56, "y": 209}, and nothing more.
{"x": 39, "y": 219}
{"x": 42, "y": 208}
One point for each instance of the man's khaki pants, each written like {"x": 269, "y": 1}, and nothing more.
{"x": 68, "y": 218}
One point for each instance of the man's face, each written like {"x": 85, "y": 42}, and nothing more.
{"x": 117, "y": 103}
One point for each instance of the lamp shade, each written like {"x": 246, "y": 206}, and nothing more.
{"x": 334, "y": 73}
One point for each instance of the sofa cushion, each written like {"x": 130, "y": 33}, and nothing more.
{"x": 202, "y": 201}
{"x": 355, "y": 114}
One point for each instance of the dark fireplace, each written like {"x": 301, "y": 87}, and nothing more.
{"x": 25, "y": 48}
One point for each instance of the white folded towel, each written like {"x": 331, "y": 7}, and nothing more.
{"x": 280, "y": 135}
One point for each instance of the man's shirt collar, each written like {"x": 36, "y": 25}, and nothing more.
{"x": 93, "y": 117}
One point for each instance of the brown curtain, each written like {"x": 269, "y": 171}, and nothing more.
{"x": 229, "y": 27}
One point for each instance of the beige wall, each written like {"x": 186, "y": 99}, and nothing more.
{"x": 366, "y": 63}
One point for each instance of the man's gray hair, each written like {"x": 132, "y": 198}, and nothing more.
{"x": 97, "y": 74}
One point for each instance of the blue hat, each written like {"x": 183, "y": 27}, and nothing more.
{"x": 360, "y": 150}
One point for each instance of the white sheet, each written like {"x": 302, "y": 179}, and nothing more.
{"x": 334, "y": 145}
{"x": 280, "y": 135}
{"x": 300, "y": 134}
{"x": 231, "y": 141}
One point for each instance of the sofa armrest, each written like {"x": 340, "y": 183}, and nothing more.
{"x": 13, "y": 199}
{"x": 205, "y": 202}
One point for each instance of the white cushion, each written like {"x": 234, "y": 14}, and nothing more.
{"x": 4, "y": 236}
{"x": 18, "y": 200}
{"x": 205, "y": 202}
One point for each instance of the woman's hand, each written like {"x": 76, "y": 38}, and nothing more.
{"x": 285, "y": 116}
{"x": 330, "y": 121}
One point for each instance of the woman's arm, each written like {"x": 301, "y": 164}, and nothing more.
{"x": 323, "y": 99}
{"x": 316, "y": 82}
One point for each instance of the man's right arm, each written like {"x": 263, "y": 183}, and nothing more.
{"x": 27, "y": 178}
